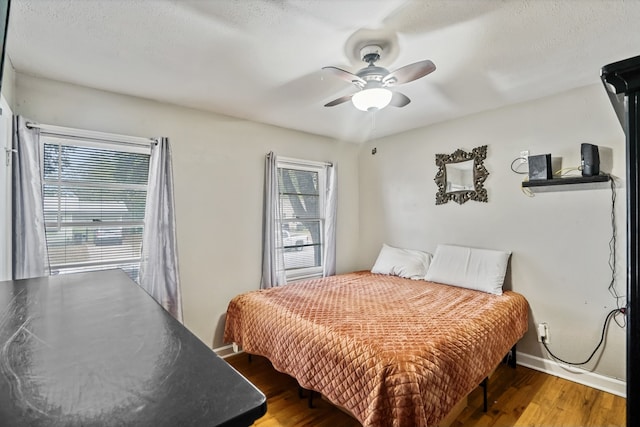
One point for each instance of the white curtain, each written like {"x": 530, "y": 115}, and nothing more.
{"x": 329, "y": 267}
{"x": 273, "y": 273}
{"x": 159, "y": 265}
{"x": 30, "y": 256}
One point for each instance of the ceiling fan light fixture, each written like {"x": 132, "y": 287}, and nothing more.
{"x": 372, "y": 99}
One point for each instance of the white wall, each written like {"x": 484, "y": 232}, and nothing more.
{"x": 8, "y": 81}
{"x": 218, "y": 169}
{"x": 560, "y": 240}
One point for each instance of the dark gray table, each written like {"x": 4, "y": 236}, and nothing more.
{"x": 94, "y": 349}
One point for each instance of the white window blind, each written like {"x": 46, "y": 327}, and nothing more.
{"x": 94, "y": 202}
{"x": 301, "y": 202}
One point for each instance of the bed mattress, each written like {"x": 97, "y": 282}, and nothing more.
{"x": 393, "y": 351}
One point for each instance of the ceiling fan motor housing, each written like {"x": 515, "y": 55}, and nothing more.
{"x": 372, "y": 73}
{"x": 370, "y": 53}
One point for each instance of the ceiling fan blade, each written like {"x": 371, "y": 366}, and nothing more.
{"x": 338, "y": 101}
{"x": 399, "y": 100}
{"x": 345, "y": 75}
{"x": 409, "y": 73}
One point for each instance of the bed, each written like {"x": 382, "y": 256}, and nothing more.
{"x": 390, "y": 350}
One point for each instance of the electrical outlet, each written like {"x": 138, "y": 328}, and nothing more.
{"x": 524, "y": 156}
{"x": 543, "y": 332}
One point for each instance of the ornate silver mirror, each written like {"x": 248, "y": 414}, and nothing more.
{"x": 461, "y": 176}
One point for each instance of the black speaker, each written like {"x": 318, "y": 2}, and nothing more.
{"x": 590, "y": 160}
{"x": 540, "y": 167}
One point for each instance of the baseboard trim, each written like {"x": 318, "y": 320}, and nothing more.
{"x": 227, "y": 350}
{"x": 577, "y": 375}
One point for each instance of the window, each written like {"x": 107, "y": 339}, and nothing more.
{"x": 94, "y": 202}
{"x": 301, "y": 200}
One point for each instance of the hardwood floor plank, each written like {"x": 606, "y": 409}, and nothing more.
{"x": 533, "y": 416}
{"x": 517, "y": 397}
{"x": 284, "y": 407}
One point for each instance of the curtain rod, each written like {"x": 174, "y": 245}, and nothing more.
{"x": 89, "y": 134}
{"x": 304, "y": 162}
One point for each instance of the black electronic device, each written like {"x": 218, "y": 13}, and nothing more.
{"x": 540, "y": 167}
{"x": 590, "y": 160}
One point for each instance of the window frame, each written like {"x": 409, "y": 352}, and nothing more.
{"x": 88, "y": 142}
{"x": 294, "y": 274}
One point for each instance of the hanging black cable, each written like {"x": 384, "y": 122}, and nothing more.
{"x": 523, "y": 160}
{"x": 612, "y": 254}
{"x": 612, "y": 288}
{"x": 604, "y": 330}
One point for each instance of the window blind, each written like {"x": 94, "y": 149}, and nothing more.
{"x": 94, "y": 203}
{"x": 301, "y": 201}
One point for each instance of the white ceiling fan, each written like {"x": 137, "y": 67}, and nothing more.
{"x": 374, "y": 82}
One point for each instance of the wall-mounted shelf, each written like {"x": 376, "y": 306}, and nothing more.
{"x": 569, "y": 183}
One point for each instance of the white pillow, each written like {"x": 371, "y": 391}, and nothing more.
{"x": 479, "y": 269}
{"x": 408, "y": 263}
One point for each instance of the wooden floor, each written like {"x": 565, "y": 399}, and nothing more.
{"x": 517, "y": 397}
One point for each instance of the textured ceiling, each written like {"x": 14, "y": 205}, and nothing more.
{"x": 261, "y": 59}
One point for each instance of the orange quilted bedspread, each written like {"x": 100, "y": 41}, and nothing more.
{"x": 393, "y": 351}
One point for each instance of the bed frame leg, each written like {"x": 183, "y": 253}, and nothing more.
{"x": 510, "y": 358}
{"x": 311, "y": 399}
{"x": 513, "y": 357}
{"x": 302, "y": 396}
{"x": 484, "y": 384}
